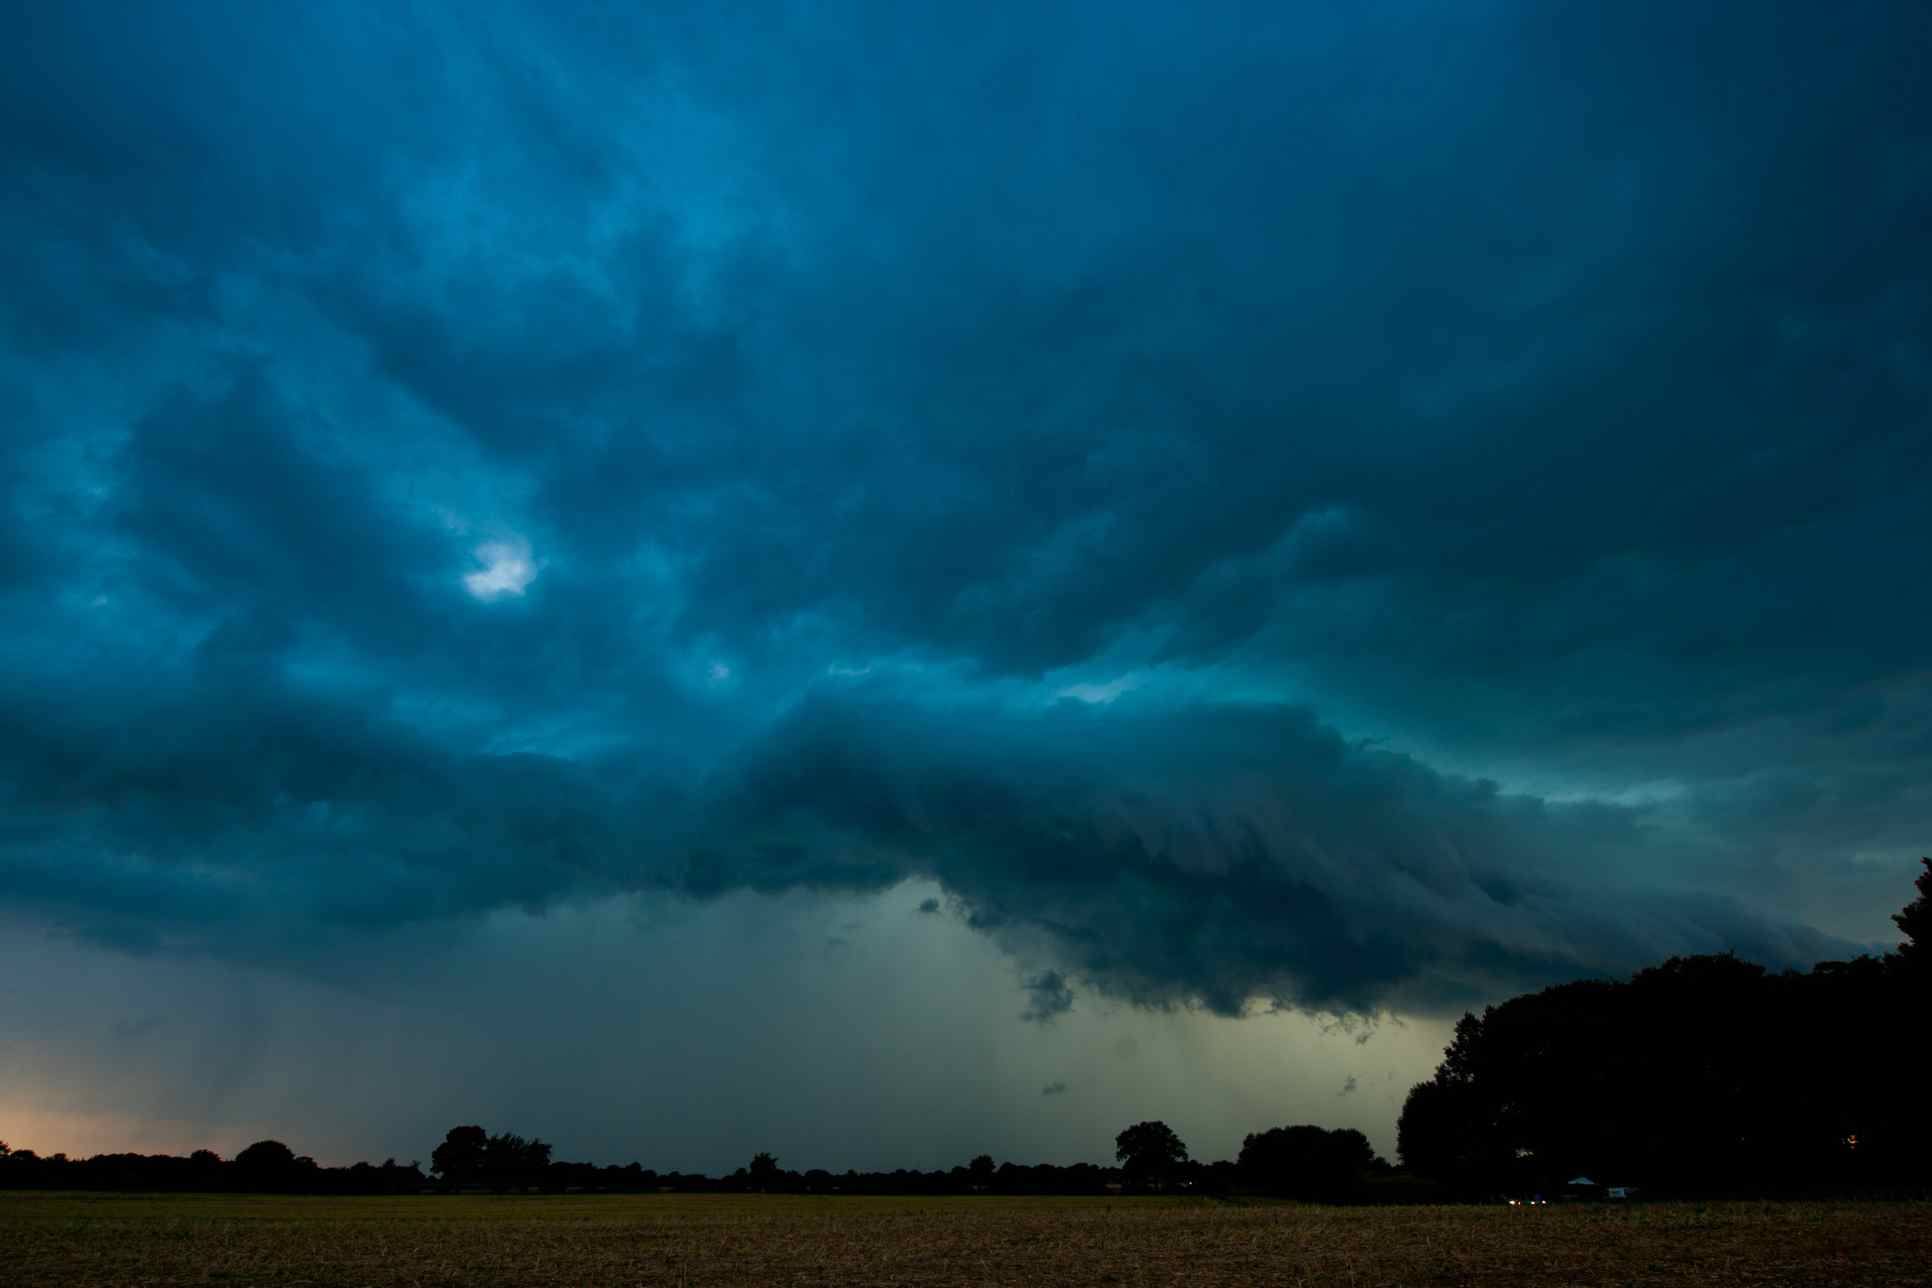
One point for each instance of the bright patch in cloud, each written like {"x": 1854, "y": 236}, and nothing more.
{"x": 1100, "y": 692}
{"x": 507, "y": 570}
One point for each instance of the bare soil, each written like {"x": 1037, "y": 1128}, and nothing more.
{"x": 702, "y": 1240}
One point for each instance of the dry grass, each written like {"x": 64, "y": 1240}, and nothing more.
{"x": 598, "y": 1240}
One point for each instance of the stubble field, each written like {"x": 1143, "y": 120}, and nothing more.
{"x": 690, "y": 1240}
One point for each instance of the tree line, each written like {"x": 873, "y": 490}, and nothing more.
{"x": 1301, "y": 1161}
{"x": 267, "y": 1166}
{"x": 1703, "y": 1075}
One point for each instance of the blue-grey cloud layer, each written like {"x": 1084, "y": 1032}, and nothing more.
{"x": 1543, "y": 392}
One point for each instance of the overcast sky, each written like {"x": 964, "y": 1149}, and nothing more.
{"x": 880, "y": 583}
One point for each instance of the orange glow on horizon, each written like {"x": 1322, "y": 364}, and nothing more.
{"x": 84, "y": 1133}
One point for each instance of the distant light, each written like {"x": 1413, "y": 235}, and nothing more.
{"x": 719, "y": 671}
{"x": 507, "y": 570}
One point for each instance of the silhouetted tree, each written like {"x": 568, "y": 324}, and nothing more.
{"x": 1307, "y": 1162}
{"x": 1148, "y": 1153}
{"x": 459, "y": 1159}
{"x": 266, "y": 1165}
{"x": 1915, "y": 921}
{"x": 512, "y": 1163}
{"x": 205, "y": 1166}
{"x": 981, "y": 1171}
{"x": 763, "y": 1171}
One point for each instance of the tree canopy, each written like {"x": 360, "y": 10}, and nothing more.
{"x": 470, "y": 1156}
{"x": 459, "y": 1159}
{"x": 1915, "y": 920}
{"x": 1148, "y": 1152}
{"x": 1307, "y": 1162}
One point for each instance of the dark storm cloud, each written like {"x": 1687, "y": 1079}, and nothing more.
{"x": 1047, "y": 996}
{"x": 1219, "y": 854}
{"x": 1544, "y": 391}
{"x": 236, "y": 812}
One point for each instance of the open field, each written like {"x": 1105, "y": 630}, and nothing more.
{"x": 688, "y": 1239}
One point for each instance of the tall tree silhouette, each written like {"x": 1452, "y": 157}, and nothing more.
{"x": 459, "y": 1159}
{"x": 1915, "y": 921}
{"x": 763, "y": 1170}
{"x": 1149, "y": 1152}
